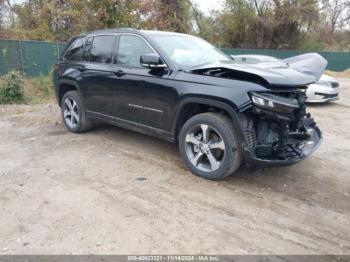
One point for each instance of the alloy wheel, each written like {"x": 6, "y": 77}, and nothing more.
{"x": 71, "y": 113}
{"x": 205, "y": 148}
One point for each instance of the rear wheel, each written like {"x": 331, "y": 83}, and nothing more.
{"x": 74, "y": 114}
{"x": 210, "y": 147}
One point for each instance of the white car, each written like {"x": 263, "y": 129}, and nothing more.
{"x": 326, "y": 89}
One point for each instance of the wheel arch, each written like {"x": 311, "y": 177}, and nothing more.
{"x": 65, "y": 86}
{"x": 191, "y": 106}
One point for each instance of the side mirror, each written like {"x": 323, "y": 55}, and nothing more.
{"x": 152, "y": 61}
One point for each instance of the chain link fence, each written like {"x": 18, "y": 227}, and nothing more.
{"x": 34, "y": 58}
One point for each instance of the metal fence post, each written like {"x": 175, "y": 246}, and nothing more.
{"x": 21, "y": 57}
{"x": 58, "y": 50}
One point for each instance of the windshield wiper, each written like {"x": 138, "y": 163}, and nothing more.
{"x": 204, "y": 64}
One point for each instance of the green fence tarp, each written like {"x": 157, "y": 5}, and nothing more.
{"x": 10, "y": 57}
{"x": 35, "y": 58}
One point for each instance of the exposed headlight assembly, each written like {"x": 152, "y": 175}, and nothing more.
{"x": 274, "y": 103}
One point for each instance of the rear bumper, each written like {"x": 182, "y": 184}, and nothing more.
{"x": 304, "y": 148}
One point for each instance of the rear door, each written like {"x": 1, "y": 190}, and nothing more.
{"x": 96, "y": 80}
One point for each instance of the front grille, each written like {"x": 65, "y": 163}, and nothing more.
{"x": 327, "y": 95}
{"x": 250, "y": 136}
{"x": 251, "y": 139}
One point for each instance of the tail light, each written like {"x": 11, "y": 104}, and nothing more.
{"x": 57, "y": 67}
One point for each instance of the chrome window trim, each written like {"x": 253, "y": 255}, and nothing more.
{"x": 114, "y": 53}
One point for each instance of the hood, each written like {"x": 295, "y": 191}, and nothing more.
{"x": 312, "y": 64}
{"x": 281, "y": 76}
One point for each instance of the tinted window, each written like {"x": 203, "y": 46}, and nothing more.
{"x": 101, "y": 49}
{"x": 75, "y": 50}
{"x": 130, "y": 50}
{"x": 88, "y": 44}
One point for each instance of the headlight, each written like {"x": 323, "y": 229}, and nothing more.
{"x": 335, "y": 84}
{"x": 274, "y": 103}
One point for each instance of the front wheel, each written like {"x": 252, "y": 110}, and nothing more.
{"x": 210, "y": 146}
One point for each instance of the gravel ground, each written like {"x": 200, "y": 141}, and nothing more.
{"x": 112, "y": 191}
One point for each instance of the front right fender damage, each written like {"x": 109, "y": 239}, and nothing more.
{"x": 278, "y": 139}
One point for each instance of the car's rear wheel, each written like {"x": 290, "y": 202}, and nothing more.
{"x": 74, "y": 114}
{"x": 210, "y": 146}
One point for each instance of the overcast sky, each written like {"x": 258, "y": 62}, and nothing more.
{"x": 208, "y": 5}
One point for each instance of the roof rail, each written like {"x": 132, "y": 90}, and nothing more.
{"x": 124, "y": 28}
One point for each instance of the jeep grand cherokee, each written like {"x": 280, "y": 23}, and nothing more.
{"x": 180, "y": 88}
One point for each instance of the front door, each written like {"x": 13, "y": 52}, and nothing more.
{"x": 141, "y": 95}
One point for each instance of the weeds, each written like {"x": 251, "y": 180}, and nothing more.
{"x": 16, "y": 89}
{"x": 39, "y": 89}
{"x": 12, "y": 88}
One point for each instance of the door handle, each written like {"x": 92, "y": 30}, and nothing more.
{"x": 119, "y": 73}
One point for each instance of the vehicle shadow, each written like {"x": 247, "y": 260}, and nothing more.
{"x": 301, "y": 181}
{"x": 137, "y": 140}
{"x": 156, "y": 146}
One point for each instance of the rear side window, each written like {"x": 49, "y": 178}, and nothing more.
{"x": 75, "y": 50}
{"x": 101, "y": 49}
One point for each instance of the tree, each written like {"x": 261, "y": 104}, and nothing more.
{"x": 268, "y": 24}
{"x": 171, "y": 15}
{"x": 272, "y": 24}
{"x": 335, "y": 13}
{"x": 53, "y": 20}
{"x": 292, "y": 19}
{"x": 2, "y": 29}
{"x": 237, "y": 23}
{"x": 5, "y": 10}
{"x": 116, "y": 13}
{"x": 59, "y": 20}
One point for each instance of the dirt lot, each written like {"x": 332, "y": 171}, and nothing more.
{"x": 111, "y": 191}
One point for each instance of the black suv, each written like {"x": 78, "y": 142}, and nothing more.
{"x": 182, "y": 89}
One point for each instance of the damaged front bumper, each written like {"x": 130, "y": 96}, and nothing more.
{"x": 279, "y": 138}
{"x": 292, "y": 154}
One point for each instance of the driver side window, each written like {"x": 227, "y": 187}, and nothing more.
{"x": 130, "y": 50}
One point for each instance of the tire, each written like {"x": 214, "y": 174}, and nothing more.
{"x": 221, "y": 142}
{"x": 74, "y": 113}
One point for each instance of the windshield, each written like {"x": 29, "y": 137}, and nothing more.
{"x": 189, "y": 51}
